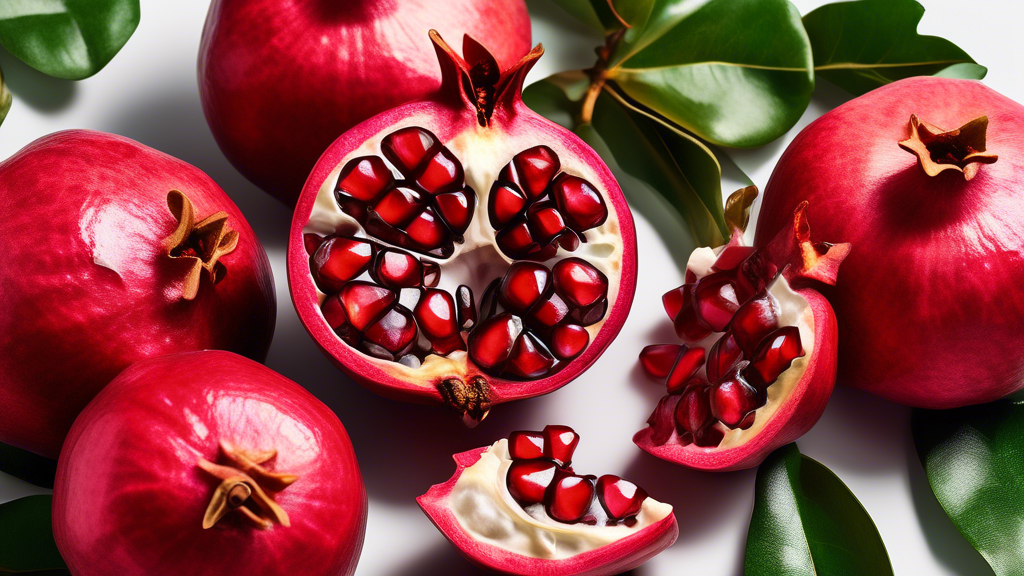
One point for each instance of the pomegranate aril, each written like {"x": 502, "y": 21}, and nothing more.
{"x": 524, "y": 284}
{"x": 756, "y": 272}
{"x": 774, "y": 356}
{"x": 532, "y": 170}
{"x": 674, "y": 300}
{"x": 686, "y": 366}
{"x": 723, "y": 356}
{"x": 441, "y": 173}
{"x": 435, "y": 314}
{"x": 466, "y": 307}
{"x": 733, "y": 399}
{"x": 732, "y": 256}
{"x": 619, "y": 498}
{"x": 398, "y": 207}
{"x": 426, "y": 231}
{"x": 570, "y": 497}
{"x": 515, "y": 240}
{"x": 490, "y": 343}
{"x": 311, "y": 242}
{"x": 548, "y": 313}
{"x": 528, "y": 480}
{"x": 662, "y": 420}
{"x": 526, "y": 445}
{"x": 569, "y": 340}
{"x": 559, "y": 443}
{"x": 407, "y": 148}
{"x": 658, "y": 359}
{"x": 578, "y": 282}
{"x": 365, "y": 178}
{"x": 396, "y": 270}
{"x": 568, "y": 240}
{"x": 529, "y": 358}
{"x": 679, "y": 306}
{"x": 591, "y": 314}
{"x": 545, "y": 222}
{"x": 391, "y": 336}
{"x": 431, "y": 273}
{"x": 489, "y": 301}
{"x": 755, "y": 320}
{"x": 709, "y": 437}
{"x": 340, "y": 259}
{"x": 504, "y": 204}
{"x": 365, "y": 302}
{"x": 693, "y": 413}
{"x": 334, "y": 313}
{"x": 715, "y": 301}
{"x": 580, "y": 204}
{"x": 456, "y": 209}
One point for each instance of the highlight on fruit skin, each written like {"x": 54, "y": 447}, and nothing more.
{"x": 757, "y": 363}
{"x": 924, "y": 177}
{"x": 518, "y": 507}
{"x": 207, "y": 463}
{"x": 463, "y": 250}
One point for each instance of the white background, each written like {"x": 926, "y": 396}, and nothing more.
{"x": 149, "y": 93}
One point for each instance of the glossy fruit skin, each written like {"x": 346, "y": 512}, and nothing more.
{"x": 129, "y": 498}
{"x": 277, "y": 90}
{"x": 447, "y": 117}
{"x": 86, "y": 289}
{"x": 929, "y": 300}
{"x": 615, "y": 558}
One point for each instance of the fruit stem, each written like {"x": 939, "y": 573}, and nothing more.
{"x": 599, "y": 74}
{"x": 201, "y": 244}
{"x": 938, "y": 150}
{"x": 242, "y": 489}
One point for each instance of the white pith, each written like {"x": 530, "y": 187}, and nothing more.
{"x": 794, "y": 311}
{"x": 483, "y": 152}
{"x": 485, "y": 510}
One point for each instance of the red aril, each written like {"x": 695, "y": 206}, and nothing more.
{"x": 114, "y": 252}
{"x": 923, "y": 176}
{"x": 513, "y": 509}
{"x": 207, "y": 463}
{"x": 486, "y": 204}
{"x": 771, "y": 338}
{"x": 277, "y": 91}
{"x": 559, "y": 443}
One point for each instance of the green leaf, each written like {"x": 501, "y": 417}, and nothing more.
{"x": 974, "y": 459}
{"x": 5, "y": 98}
{"x": 806, "y": 522}
{"x": 963, "y": 71}
{"x": 594, "y": 13}
{"x": 70, "y": 39}
{"x": 25, "y": 465}
{"x": 865, "y": 44}
{"x": 26, "y": 536}
{"x": 732, "y": 72}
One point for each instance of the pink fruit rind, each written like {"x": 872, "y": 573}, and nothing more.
{"x": 518, "y": 123}
{"x": 129, "y": 493}
{"x": 791, "y": 420}
{"x": 615, "y": 558}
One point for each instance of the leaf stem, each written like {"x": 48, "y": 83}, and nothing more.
{"x": 599, "y": 74}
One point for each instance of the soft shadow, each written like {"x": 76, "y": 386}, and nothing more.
{"x": 43, "y": 93}
{"x": 171, "y": 120}
{"x": 947, "y": 544}
{"x": 440, "y": 560}
{"x": 870, "y": 427}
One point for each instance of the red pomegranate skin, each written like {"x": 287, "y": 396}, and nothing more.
{"x": 281, "y": 79}
{"x": 929, "y": 301}
{"x": 129, "y": 498}
{"x": 86, "y": 289}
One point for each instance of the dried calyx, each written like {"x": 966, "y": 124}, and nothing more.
{"x": 937, "y": 150}
{"x": 244, "y": 488}
{"x": 201, "y": 243}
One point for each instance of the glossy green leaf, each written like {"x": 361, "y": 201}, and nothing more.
{"x": 806, "y": 522}
{"x": 974, "y": 459}
{"x": 864, "y": 44}
{"x": 25, "y": 465}
{"x": 732, "y": 72}
{"x": 5, "y": 98}
{"x": 26, "y": 536}
{"x": 70, "y": 39}
{"x": 594, "y": 13}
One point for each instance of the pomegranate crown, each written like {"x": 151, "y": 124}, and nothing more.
{"x": 938, "y": 150}
{"x": 476, "y": 79}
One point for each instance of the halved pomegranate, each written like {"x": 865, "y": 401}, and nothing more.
{"x": 463, "y": 249}
{"x": 758, "y": 359}
{"x": 518, "y": 507}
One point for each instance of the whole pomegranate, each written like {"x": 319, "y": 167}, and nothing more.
{"x": 518, "y": 507}
{"x": 463, "y": 249}
{"x": 758, "y": 362}
{"x": 206, "y": 463}
{"x": 281, "y": 79}
{"x": 925, "y": 177}
{"x": 114, "y": 252}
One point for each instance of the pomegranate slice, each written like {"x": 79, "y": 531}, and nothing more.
{"x": 772, "y": 341}
{"x": 596, "y": 526}
{"x": 399, "y": 193}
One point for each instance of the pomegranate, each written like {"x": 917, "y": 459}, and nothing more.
{"x": 278, "y": 90}
{"x": 463, "y": 249}
{"x": 758, "y": 359}
{"x": 207, "y": 463}
{"x": 924, "y": 176}
{"x": 518, "y": 507}
{"x": 114, "y": 252}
